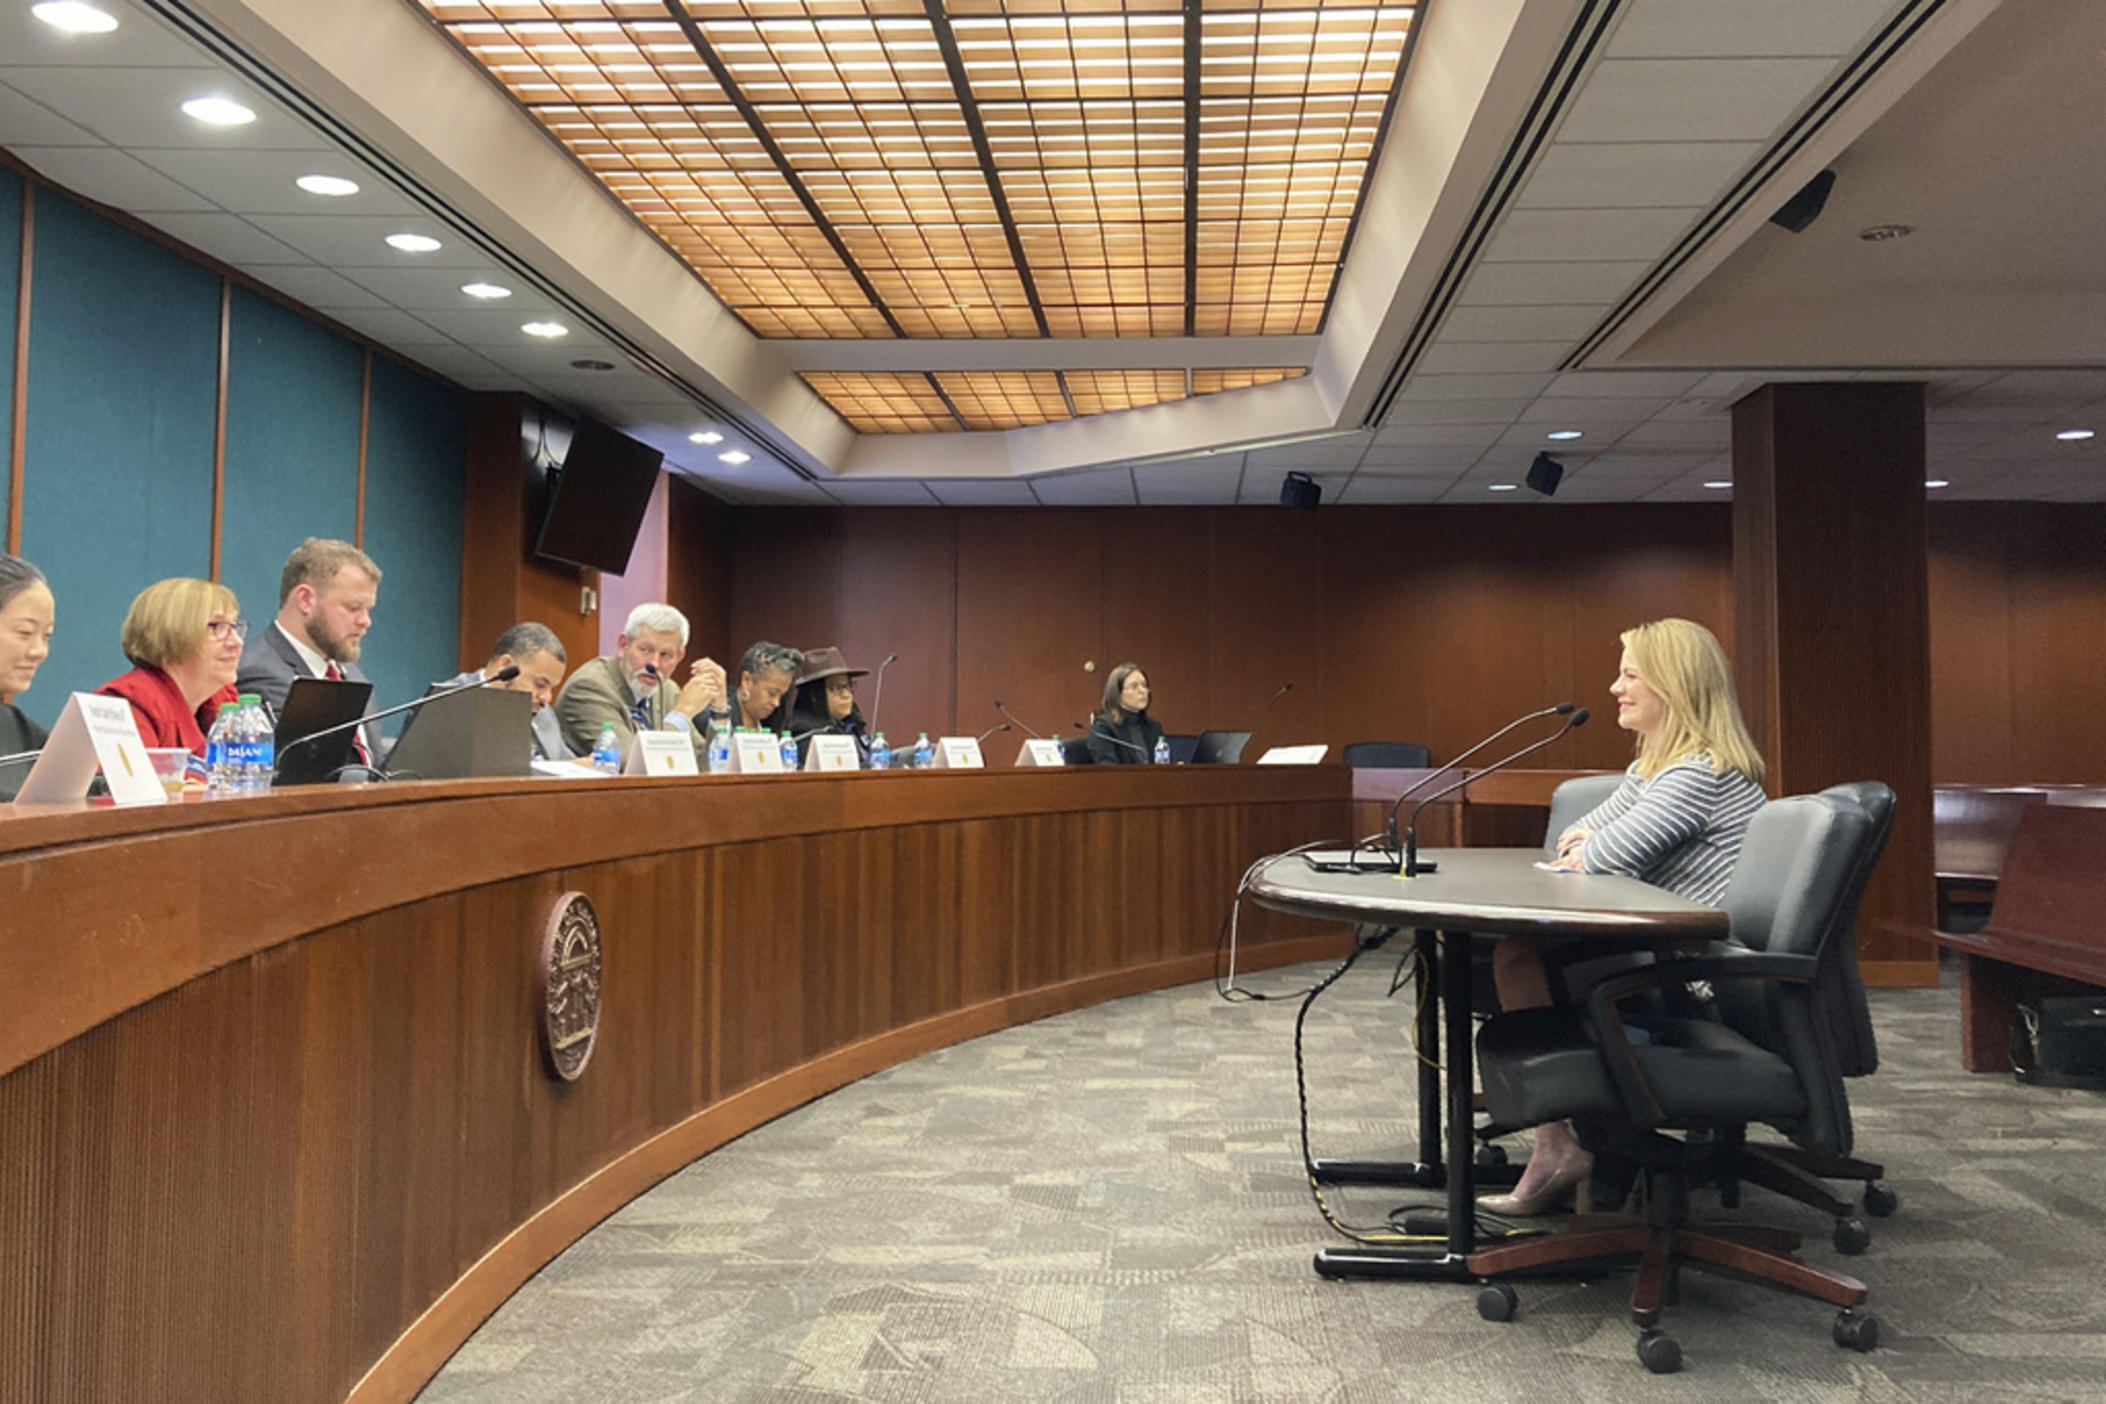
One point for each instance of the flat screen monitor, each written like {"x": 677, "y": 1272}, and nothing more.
{"x": 601, "y": 494}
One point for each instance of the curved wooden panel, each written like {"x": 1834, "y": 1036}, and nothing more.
{"x": 275, "y": 1121}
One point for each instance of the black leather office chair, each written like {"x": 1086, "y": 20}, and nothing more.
{"x": 1387, "y": 755}
{"x": 1767, "y": 1061}
{"x": 1075, "y": 750}
{"x": 1795, "y": 1171}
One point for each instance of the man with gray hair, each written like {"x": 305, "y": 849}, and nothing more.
{"x": 540, "y": 657}
{"x": 632, "y": 689}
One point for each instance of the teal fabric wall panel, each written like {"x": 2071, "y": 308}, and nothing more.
{"x": 123, "y": 382}
{"x": 416, "y": 443}
{"x": 292, "y": 444}
{"x": 10, "y": 280}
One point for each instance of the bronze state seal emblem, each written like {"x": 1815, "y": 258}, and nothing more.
{"x": 570, "y": 985}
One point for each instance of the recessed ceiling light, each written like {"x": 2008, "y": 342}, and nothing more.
{"x": 2074, "y": 436}
{"x": 1563, "y": 434}
{"x": 1880, "y": 233}
{"x": 735, "y": 457}
{"x": 1502, "y": 487}
{"x": 1936, "y": 483}
{"x": 219, "y": 112}
{"x": 591, "y": 365}
{"x": 74, "y": 17}
{"x": 1716, "y": 484}
{"x": 488, "y": 292}
{"x": 549, "y": 330}
{"x": 705, "y": 436}
{"x": 414, "y": 243}
{"x": 334, "y": 186}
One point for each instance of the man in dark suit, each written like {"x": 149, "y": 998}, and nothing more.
{"x": 541, "y": 659}
{"x": 326, "y": 595}
{"x": 633, "y": 688}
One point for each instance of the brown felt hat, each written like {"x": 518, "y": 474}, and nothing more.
{"x": 826, "y": 663}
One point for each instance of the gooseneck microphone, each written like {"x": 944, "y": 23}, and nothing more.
{"x": 1091, "y": 728}
{"x": 989, "y": 732}
{"x": 1013, "y": 717}
{"x": 1270, "y": 703}
{"x": 1562, "y": 709}
{"x": 878, "y": 699}
{"x": 504, "y": 674}
{"x": 1412, "y": 866}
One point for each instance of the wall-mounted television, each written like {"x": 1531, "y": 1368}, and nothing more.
{"x": 599, "y": 498}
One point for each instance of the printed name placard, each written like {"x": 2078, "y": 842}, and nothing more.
{"x": 833, "y": 753}
{"x": 959, "y": 753}
{"x": 93, "y": 731}
{"x": 756, "y": 753}
{"x": 661, "y": 753}
{"x": 1293, "y": 755}
{"x": 1037, "y": 752}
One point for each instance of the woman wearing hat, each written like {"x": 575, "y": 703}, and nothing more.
{"x": 826, "y": 702}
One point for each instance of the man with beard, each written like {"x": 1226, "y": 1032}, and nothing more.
{"x": 325, "y": 605}
{"x": 634, "y": 689}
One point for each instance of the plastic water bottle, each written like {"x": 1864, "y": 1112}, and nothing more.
{"x": 1162, "y": 750}
{"x": 924, "y": 753}
{"x": 880, "y": 753}
{"x": 789, "y": 753}
{"x": 263, "y": 745}
{"x": 607, "y": 752}
{"x": 720, "y": 750}
{"x": 219, "y": 769}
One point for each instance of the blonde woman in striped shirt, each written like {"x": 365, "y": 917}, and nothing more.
{"x": 1676, "y": 822}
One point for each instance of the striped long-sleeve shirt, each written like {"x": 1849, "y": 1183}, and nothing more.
{"x": 1680, "y": 830}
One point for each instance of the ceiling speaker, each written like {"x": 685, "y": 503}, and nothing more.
{"x": 1545, "y": 474}
{"x": 1301, "y": 492}
{"x": 1806, "y": 206}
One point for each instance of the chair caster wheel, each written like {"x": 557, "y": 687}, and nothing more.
{"x": 1490, "y": 1156}
{"x": 1658, "y": 1352}
{"x": 1857, "y": 1330}
{"x": 1498, "y": 1301}
{"x": 1851, "y": 1236}
{"x": 1880, "y": 1201}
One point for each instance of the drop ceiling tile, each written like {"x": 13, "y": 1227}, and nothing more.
{"x": 1473, "y": 387}
{"x": 390, "y": 327}
{"x": 879, "y": 492}
{"x": 458, "y": 363}
{"x": 480, "y": 324}
{"x": 1551, "y": 284}
{"x": 1364, "y": 491}
{"x": 1677, "y": 436}
{"x": 416, "y": 289}
{"x": 228, "y": 238}
{"x": 1651, "y": 465}
{"x": 1416, "y": 459}
{"x": 26, "y": 122}
{"x": 1189, "y": 481}
{"x": 1660, "y": 385}
{"x": 1101, "y": 487}
{"x": 110, "y": 176}
{"x": 1477, "y": 324}
{"x": 2050, "y": 390}
{"x": 360, "y": 241}
{"x": 261, "y": 182}
{"x": 1586, "y": 411}
{"x": 139, "y": 41}
{"x": 1691, "y": 99}
{"x": 1496, "y": 412}
{"x": 141, "y": 108}
{"x": 983, "y": 492}
{"x": 1307, "y": 457}
{"x": 1730, "y": 28}
{"x": 1609, "y": 236}
{"x": 319, "y": 288}
{"x": 1444, "y": 436}
{"x": 1492, "y": 357}
{"x": 1594, "y": 438}
{"x": 1635, "y": 175}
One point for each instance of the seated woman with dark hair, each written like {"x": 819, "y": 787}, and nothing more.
{"x": 184, "y": 638}
{"x": 1123, "y": 733}
{"x": 826, "y": 703}
{"x": 767, "y": 672}
{"x": 25, "y": 641}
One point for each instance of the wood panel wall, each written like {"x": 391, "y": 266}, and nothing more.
{"x": 502, "y": 581}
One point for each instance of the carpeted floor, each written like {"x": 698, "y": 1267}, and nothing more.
{"x": 1109, "y": 1206}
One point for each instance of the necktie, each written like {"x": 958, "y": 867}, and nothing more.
{"x": 358, "y": 740}
{"x": 640, "y": 711}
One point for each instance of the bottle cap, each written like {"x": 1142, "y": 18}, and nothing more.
{"x": 248, "y": 699}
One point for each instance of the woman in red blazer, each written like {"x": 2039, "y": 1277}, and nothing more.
{"x": 184, "y": 639}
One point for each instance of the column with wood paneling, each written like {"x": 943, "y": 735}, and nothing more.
{"x": 1832, "y": 627}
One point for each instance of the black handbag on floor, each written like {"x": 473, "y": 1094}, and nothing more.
{"x": 2060, "y": 1042}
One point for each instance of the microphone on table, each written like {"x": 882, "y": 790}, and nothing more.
{"x": 1013, "y": 717}
{"x": 1412, "y": 866}
{"x": 504, "y": 674}
{"x": 1562, "y": 709}
{"x": 1091, "y": 730}
{"x": 989, "y": 732}
{"x": 878, "y": 699}
{"x": 1271, "y": 702}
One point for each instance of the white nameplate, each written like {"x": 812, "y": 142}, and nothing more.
{"x": 756, "y": 753}
{"x": 661, "y": 753}
{"x": 1293, "y": 755}
{"x": 833, "y": 753}
{"x": 1036, "y": 752}
{"x": 93, "y": 731}
{"x": 959, "y": 753}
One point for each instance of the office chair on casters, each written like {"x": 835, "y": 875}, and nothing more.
{"x": 1768, "y": 1060}
{"x": 1075, "y": 750}
{"x": 1795, "y": 1171}
{"x": 1386, "y": 755}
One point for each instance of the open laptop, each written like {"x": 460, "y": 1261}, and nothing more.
{"x": 316, "y": 704}
{"x": 1219, "y": 747}
{"x": 484, "y": 731}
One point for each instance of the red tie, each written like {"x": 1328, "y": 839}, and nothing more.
{"x": 358, "y": 742}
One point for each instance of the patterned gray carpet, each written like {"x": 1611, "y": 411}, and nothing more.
{"x": 1108, "y": 1206}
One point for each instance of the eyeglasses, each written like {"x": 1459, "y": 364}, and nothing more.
{"x": 218, "y": 629}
